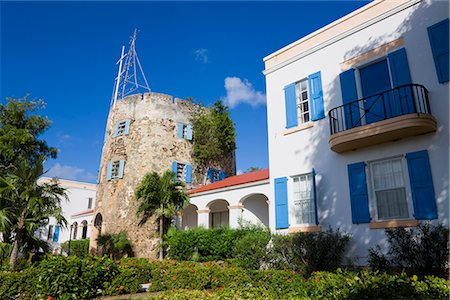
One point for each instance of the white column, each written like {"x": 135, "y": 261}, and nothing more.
{"x": 203, "y": 218}
{"x": 235, "y": 213}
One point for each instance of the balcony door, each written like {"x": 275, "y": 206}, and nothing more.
{"x": 375, "y": 79}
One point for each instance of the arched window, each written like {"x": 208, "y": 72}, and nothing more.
{"x": 74, "y": 230}
{"x": 84, "y": 225}
{"x": 98, "y": 222}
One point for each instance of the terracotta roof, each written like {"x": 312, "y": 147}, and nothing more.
{"x": 233, "y": 181}
{"x": 87, "y": 212}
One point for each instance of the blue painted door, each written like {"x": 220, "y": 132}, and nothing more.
{"x": 375, "y": 79}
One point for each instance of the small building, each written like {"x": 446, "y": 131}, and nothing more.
{"x": 78, "y": 211}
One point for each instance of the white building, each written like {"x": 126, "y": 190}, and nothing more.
{"x": 78, "y": 211}
{"x": 358, "y": 127}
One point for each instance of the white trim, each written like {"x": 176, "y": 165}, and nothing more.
{"x": 336, "y": 38}
{"x": 233, "y": 187}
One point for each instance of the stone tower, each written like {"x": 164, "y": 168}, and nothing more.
{"x": 144, "y": 132}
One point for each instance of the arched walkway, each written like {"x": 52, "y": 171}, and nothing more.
{"x": 219, "y": 215}
{"x": 84, "y": 225}
{"x": 256, "y": 209}
{"x": 74, "y": 230}
{"x": 189, "y": 218}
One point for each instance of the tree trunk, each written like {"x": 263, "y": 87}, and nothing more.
{"x": 161, "y": 229}
{"x": 17, "y": 241}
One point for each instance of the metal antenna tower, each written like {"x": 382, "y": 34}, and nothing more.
{"x": 130, "y": 77}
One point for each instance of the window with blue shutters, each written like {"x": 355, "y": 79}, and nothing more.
{"x": 394, "y": 188}
{"x": 304, "y": 101}
{"x": 183, "y": 172}
{"x": 439, "y": 42}
{"x": 215, "y": 175}
{"x": 122, "y": 128}
{"x": 305, "y": 199}
{"x": 184, "y": 131}
{"x": 115, "y": 169}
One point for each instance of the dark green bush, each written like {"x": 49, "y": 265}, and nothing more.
{"x": 308, "y": 252}
{"x": 423, "y": 249}
{"x": 251, "y": 248}
{"x": 279, "y": 282}
{"x": 78, "y": 248}
{"x": 18, "y": 285}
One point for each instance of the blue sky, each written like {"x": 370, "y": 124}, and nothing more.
{"x": 65, "y": 53}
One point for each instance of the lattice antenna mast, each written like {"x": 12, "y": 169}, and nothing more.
{"x": 130, "y": 77}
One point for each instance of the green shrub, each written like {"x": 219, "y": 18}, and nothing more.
{"x": 279, "y": 282}
{"x": 424, "y": 249}
{"x": 18, "y": 285}
{"x": 115, "y": 246}
{"x": 308, "y": 252}
{"x": 251, "y": 248}
{"x": 78, "y": 248}
{"x": 72, "y": 277}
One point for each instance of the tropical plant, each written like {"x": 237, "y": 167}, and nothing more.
{"x": 161, "y": 196}
{"x": 27, "y": 206}
{"x": 114, "y": 245}
{"x": 214, "y": 136}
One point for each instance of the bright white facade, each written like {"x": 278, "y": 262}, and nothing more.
{"x": 78, "y": 211}
{"x": 358, "y": 129}
{"x": 376, "y": 172}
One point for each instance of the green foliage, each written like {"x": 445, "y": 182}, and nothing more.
{"x": 18, "y": 285}
{"x": 424, "y": 249}
{"x": 74, "y": 278}
{"x": 19, "y": 132}
{"x": 79, "y": 248}
{"x": 200, "y": 244}
{"x": 308, "y": 252}
{"x": 114, "y": 245}
{"x": 214, "y": 135}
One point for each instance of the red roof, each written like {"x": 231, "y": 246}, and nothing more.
{"x": 232, "y": 181}
{"x": 87, "y": 212}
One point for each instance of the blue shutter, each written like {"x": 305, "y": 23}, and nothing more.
{"x": 189, "y": 132}
{"x": 439, "y": 39}
{"x": 281, "y": 203}
{"x": 359, "y": 198}
{"x": 349, "y": 94}
{"x": 221, "y": 175}
{"x": 316, "y": 215}
{"x": 291, "y": 106}
{"x": 402, "y": 101}
{"x": 116, "y": 129}
{"x": 316, "y": 95}
{"x": 210, "y": 173}
{"x": 127, "y": 127}
{"x": 121, "y": 165}
{"x": 56, "y": 233}
{"x": 188, "y": 174}
{"x": 175, "y": 169}
{"x": 424, "y": 200}
{"x": 180, "y": 131}
{"x": 108, "y": 171}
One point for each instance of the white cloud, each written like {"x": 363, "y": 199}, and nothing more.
{"x": 242, "y": 91}
{"x": 201, "y": 55}
{"x": 239, "y": 172}
{"x": 71, "y": 173}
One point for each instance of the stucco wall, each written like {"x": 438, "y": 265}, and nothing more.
{"x": 299, "y": 152}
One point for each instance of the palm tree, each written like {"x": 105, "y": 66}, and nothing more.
{"x": 161, "y": 196}
{"x": 27, "y": 205}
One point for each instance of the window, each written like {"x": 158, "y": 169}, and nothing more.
{"x": 384, "y": 185}
{"x": 182, "y": 171}
{"x": 439, "y": 36}
{"x": 184, "y": 131}
{"x": 122, "y": 128}
{"x": 50, "y": 232}
{"x": 215, "y": 175}
{"x": 302, "y": 96}
{"x": 84, "y": 229}
{"x": 388, "y": 189}
{"x": 219, "y": 219}
{"x": 89, "y": 203}
{"x": 304, "y": 199}
{"x": 114, "y": 169}
{"x": 304, "y": 101}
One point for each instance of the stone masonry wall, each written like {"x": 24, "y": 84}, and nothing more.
{"x": 151, "y": 145}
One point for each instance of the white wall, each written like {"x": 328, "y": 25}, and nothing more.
{"x": 299, "y": 152}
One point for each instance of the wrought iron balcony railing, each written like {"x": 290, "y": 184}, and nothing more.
{"x": 402, "y": 100}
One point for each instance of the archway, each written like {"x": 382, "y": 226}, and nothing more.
{"x": 84, "y": 226}
{"x": 219, "y": 215}
{"x": 74, "y": 230}
{"x": 98, "y": 223}
{"x": 256, "y": 209}
{"x": 189, "y": 217}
